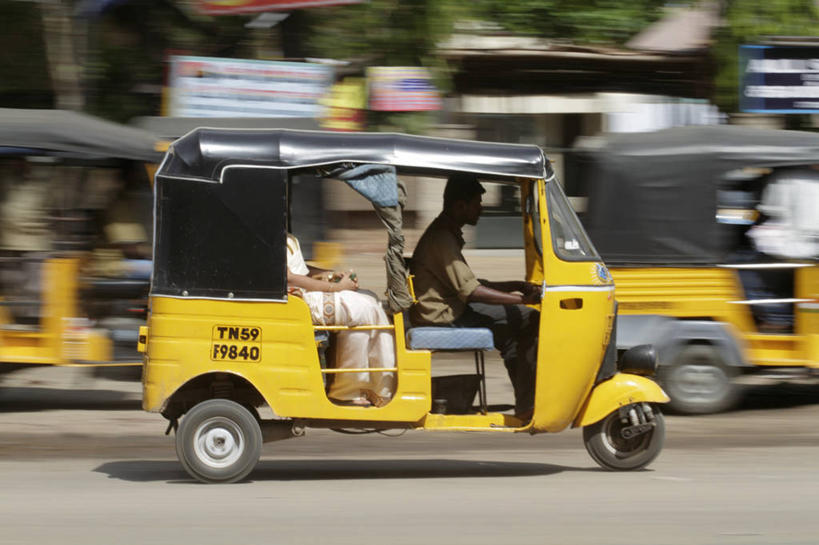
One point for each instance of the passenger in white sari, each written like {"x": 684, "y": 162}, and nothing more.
{"x": 339, "y": 303}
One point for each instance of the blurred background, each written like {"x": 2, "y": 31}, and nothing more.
{"x": 92, "y": 92}
{"x": 542, "y": 72}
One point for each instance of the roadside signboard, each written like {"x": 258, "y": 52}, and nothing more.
{"x": 402, "y": 89}
{"x": 779, "y": 79}
{"x": 216, "y": 87}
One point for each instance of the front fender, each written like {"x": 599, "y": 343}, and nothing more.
{"x": 620, "y": 390}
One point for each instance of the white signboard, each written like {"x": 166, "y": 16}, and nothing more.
{"x": 214, "y": 87}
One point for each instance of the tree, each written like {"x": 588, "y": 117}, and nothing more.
{"x": 584, "y": 22}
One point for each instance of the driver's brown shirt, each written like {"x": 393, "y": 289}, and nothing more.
{"x": 443, "y": 281}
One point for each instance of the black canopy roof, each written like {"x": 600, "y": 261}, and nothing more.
{"x": 74, "y": 134}
{"x": 205, "y": 152}
{"x": 652, "y": 196}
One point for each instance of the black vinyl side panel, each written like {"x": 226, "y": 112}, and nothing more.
{"x": 222, "y": 240}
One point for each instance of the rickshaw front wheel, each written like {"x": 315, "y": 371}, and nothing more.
{"x": 218, "y": 441}
{"x": 629, "y": 438}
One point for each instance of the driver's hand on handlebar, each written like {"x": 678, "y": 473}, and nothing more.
{"x": 531, "y": 294}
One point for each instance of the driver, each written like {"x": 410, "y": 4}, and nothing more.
{"x": 448, "y": 292}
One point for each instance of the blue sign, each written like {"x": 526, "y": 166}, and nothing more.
{"x": 779, "y": 79}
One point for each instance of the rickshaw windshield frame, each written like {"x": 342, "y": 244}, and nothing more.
{"x": 569, "y": 240}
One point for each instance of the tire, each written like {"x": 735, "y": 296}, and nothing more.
{"x": 698, "y": 382}
{"x": 218, "y": 441}
{"x": 614, "y": 453}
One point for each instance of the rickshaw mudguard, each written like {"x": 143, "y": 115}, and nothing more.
{"x": 620, "y": 390}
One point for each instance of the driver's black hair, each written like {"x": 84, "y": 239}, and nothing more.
{"x": 461, "y": 186}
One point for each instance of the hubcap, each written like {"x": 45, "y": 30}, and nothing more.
{"x": 700, "y": 381}
{"x": 617, "y": 445}
{"x": 218, "y": 442}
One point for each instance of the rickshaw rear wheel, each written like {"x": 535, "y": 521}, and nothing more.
{"x": 219, "y": 441}
{"x": 605, "y": 443}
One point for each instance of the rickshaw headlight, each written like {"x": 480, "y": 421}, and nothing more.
{"x": 638, "y": 360}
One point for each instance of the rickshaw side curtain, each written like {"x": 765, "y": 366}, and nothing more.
{"x": 380, "y": 185}
{"x": 398, "y": 296}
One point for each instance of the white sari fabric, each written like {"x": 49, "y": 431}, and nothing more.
{"x": 354, "y": 349}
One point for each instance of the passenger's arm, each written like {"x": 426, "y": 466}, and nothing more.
{"x": 313, "y": 284}
{"x": 318, "y": 272}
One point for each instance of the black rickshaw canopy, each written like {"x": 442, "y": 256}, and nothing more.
{"x": 64, "y": 133}
{"x": 652, "y": 197}
{"x": 221, "y": 200}
{"x": 204, "y": 153}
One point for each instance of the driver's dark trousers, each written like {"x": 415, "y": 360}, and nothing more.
{"x": 515, "y": 332}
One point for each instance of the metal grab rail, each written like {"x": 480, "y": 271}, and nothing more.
{"x": 772, "y": 301}
{"x": 363, "y": 370}
{"x": 352, "y": 327}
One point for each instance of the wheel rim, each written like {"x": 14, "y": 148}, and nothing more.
{"x": 700, "y": 383}
{"x": 218, "y": 442}
{"x": 617, "y": 445}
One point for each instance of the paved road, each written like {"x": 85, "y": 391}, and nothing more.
{"x": 81, "y": 464}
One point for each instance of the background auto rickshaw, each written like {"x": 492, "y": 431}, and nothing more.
{"x": 68, "y": 293}
{"x": 219, "y": 279}
{"x": 673, "y": 214}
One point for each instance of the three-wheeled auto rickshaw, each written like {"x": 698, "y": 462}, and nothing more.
{"x": 224, "y": 338}
{"x": 675, "y": 214}
{"x": 60, "y": 173}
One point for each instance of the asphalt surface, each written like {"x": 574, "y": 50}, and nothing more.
{"x": 82, "y": 464}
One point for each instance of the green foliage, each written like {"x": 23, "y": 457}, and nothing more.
{"x": 749, "y": 22}
{"x": 406, "y": 32}
{"x": 384, "y": 32}
{"x": 387, "y": 33}
{"x": 581, "y": 21}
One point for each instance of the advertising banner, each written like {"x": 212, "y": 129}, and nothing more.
{"x": 234, "y": 7}
{"x": 215, "y": 87}
{"x": 402, "y": 89}
{"x": 779, "y": 79}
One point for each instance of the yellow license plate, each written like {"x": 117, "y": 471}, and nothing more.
{"x": 236, "y": 343}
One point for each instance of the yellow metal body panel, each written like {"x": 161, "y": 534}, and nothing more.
{"x": 577, "y": 317}
{"x": 807, "y": 313}
{"x": 534, "y": 261}
{"x": 287, "y": 375}
{"x": 577, "y": 313}
{"x": 473, "y": 422}
{"x": 620, "y": 390}
{"x": 571, "y": 346}
{"x": 713, "y": 293}
{"x": 59, "y": 340}
{"x": 702, "y": 292}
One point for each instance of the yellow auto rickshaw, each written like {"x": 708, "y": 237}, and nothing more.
{"x": 61, "y": 173}
{"x": 712, "y": 237}
{"x": 224, "y": 338}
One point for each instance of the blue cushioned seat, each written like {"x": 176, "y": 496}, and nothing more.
{"x": 450, "y": 338}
